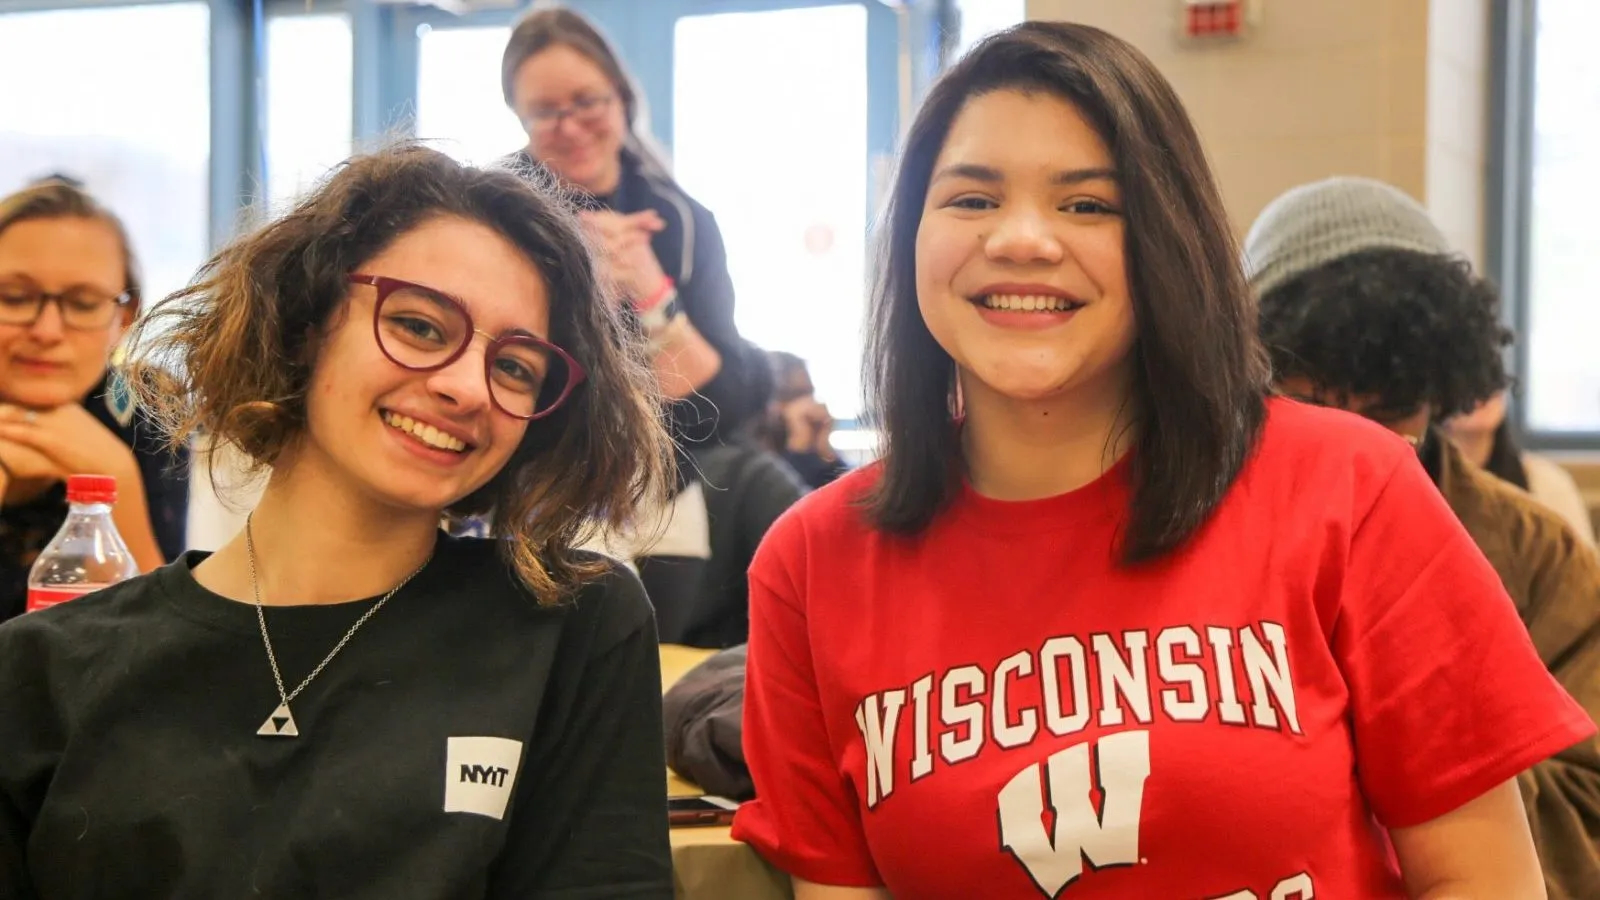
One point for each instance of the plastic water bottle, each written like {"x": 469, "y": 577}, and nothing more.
{"x": 87, "y": 554}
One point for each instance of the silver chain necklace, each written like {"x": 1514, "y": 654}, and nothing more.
{"x": 281, "y": 722}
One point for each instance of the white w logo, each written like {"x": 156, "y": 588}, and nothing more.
{"x": 1107, "y": 838}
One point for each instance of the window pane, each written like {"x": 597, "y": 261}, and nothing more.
{"x": 309, "y": 72}
{"x": 979, "y": 18}
{"x": 131, "y": 121}
{"x": 784, "y": 92}
{"x": 1563, "y": 391}
{"x": 459, "y": 103}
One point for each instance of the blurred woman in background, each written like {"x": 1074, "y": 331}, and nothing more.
{"x": 662, "y": 254}
{"x": 1485, "y": 438}
{"x": 69, "y": 288}
{"x": 663, "y": 250}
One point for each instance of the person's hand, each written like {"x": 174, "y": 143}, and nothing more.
{"x": 606, "y": 225}
{"x": 810, "y": 427}
{"x": 623, "y": 242}
{"x": 26, "y": 464}
{"x": 61, "y": 442}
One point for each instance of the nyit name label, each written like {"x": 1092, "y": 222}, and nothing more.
{"x": 476, "y": 774}
{"x": 1233, "y": 676}
{"x": 479, "y": 775}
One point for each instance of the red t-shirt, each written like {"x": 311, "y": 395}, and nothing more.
{"x": 995, "y": 708}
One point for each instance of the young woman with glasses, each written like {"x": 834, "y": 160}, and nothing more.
{"x": 344, "y": 701}
{"x": 69, "y": 289}
{"x": 663, "y": 251}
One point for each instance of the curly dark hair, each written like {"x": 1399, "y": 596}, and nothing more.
{"x": 1407, "y": 329}
{"x": 245, "y": 336}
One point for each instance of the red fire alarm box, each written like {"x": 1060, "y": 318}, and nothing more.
{"x": 1204, "y": 19}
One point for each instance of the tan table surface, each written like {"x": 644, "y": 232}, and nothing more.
{"x": 707, "y": 863}
{"x": 676, "y": 661}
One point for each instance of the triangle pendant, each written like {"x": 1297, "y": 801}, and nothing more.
{"x": 279, "y": 724}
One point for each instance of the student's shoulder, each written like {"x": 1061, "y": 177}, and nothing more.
{"x": 666, "y": 195}
{"x": 768, "y": 472}
{"x": 611, "y": 604}
{"x": 830, "y": 515}
{"x": 87, "y": 628}
{"x": 1536, "y": 535}
{"x": 615, "y": 594}
{"x": 1555, "y": 487}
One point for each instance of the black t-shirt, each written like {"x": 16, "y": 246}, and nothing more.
{"x": 746, "y": 490}
{"x": 130, "y": 766}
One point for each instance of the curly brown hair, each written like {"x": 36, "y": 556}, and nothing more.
{"x": 231, "y": 356}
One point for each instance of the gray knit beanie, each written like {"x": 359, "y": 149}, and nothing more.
{"x": 1314, "y": 224}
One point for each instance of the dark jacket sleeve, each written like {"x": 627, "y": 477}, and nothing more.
{"x": 706, "y": 297}
{"x": 590, "y": 821}
{"x": 1562, "y": 794}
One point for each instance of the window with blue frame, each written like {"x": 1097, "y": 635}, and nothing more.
{"x": 977, "y": 18}
{"x": 770, "y": 132}
{"x": 309, "y": 76}
{"x": 134, "y": 129}
{"x": 460, "y": 106}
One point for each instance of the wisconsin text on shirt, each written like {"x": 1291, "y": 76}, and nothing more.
{"x": 954, "y": 716}
{"x": 1080, "y": 809}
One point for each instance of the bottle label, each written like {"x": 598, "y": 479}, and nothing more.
{"x": 44, "y": 598}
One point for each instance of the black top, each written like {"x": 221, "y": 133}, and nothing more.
{"x": 131, "y": 768}
{"x": 691, "y": 253}
{"x": 746, "y": 488}
{"x": 815, "y": 471}
{"x": 25, "y": 529}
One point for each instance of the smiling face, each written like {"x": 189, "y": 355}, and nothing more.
{"x": 574, "y": 117}
{"x": 46, "y": 364}
{"x": 422, "y": 440}
{"x": 1020, "y": 264}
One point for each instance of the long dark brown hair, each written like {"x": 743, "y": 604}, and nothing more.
{"x": 1200, "y": 377}
{"x": 232, "y": 355}
{"x": 1505, "y": 457}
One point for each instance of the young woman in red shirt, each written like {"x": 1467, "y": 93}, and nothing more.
{"x": 1108, "y": 620}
